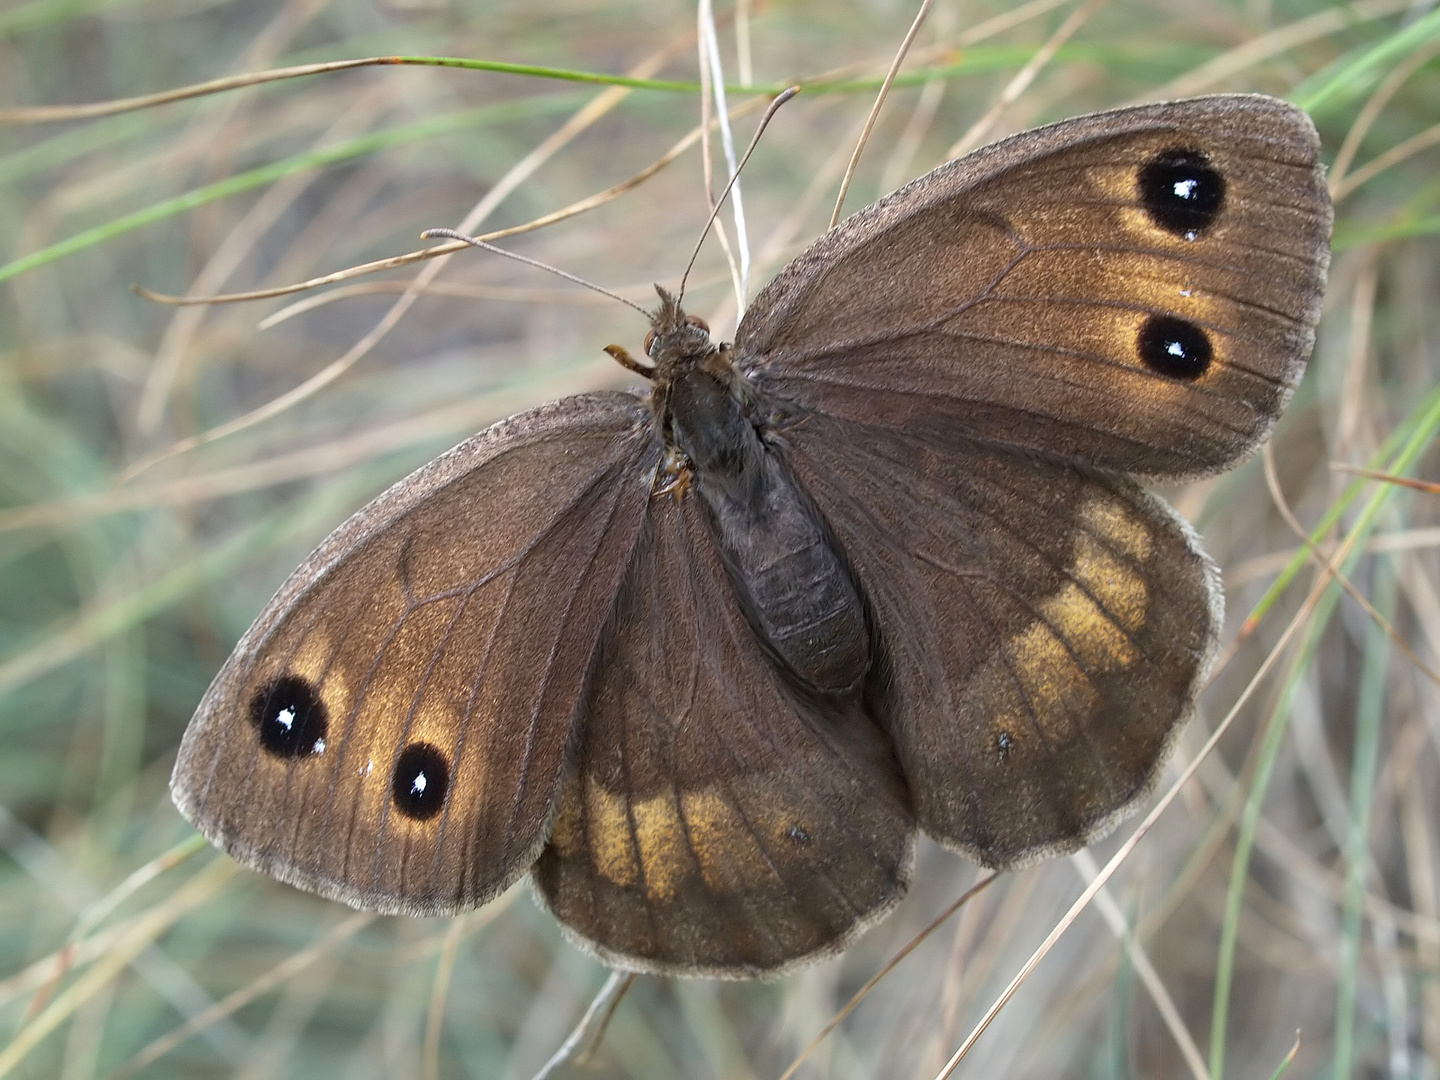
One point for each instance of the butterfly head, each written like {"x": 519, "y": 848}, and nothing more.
{"x": 676, "y": 341}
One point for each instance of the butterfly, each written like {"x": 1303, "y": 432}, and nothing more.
{"x": 704, "y": 658}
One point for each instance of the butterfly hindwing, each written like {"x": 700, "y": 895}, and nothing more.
{"x": 392, "y": 729}
{"x": 715, "y": 823}
{"x": 1046, "y": 629}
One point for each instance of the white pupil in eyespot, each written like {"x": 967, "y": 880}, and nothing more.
{"x": 1186, "y": 189}
{"x": 417, "y": 786}
{"x": 285, "y": 718}
{"x": 1175, "y": 349}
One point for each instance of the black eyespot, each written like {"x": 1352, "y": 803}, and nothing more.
{"x": 421, "y": 779}
{"x": 1174, "y": 347}
{"x": 290, "y": 717}
{"x": 1182, "y": 192}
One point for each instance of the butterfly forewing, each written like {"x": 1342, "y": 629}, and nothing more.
{"x": 715, "y": 823}
{"x": 1136, "y": 290}
{"x": 392, "y": 729}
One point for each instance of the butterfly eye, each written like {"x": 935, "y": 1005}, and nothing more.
{"x": 649, "y": 342}
{"x": 695, "y": 320}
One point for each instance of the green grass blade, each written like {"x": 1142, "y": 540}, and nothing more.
{"x": 1351, "y": 235}
{"x": 1369, "y": 718}
{"x": 1404, "y": 434}
{"x": 268, "y": 174}
{"x": 1350, "y": 77}
{"x": 1422, "y": 433}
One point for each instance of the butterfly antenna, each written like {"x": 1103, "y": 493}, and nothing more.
{"x": 451, "y": 234}
{"x": 780, "y": 99}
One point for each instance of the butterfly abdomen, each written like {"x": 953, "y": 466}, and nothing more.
{"x": 794, "y": 586}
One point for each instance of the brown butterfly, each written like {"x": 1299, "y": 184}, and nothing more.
{"x": 703, "y": 658}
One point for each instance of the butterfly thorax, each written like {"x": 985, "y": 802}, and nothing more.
{"x": 792, "y": 580}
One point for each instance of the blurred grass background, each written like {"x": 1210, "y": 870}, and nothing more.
{"x": 1292, "y": 886}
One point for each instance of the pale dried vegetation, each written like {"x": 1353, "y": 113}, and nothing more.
{"x": 162, "y": 468}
